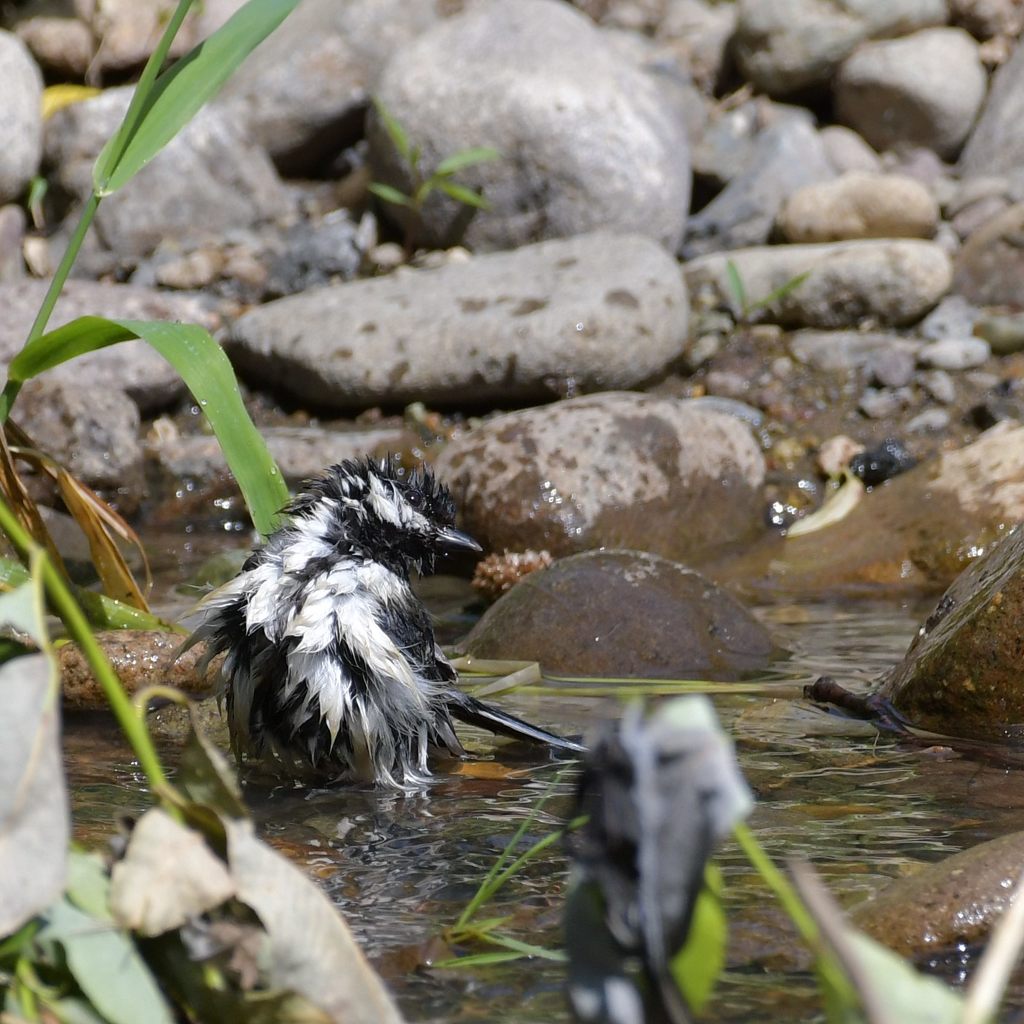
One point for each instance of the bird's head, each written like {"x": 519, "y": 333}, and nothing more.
{"x": 376, "y": 510}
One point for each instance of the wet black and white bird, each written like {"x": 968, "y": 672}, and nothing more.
{"x": 331, "y": 662}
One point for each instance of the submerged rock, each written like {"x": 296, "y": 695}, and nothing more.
{"x": 917, "y": 531}
{"x": 962, "y": 673}
{"x": 570, "y": 618}
{"x": 141, "y": 658}
{"x": 615, "y": 469}
{"x": 944, "y": 905}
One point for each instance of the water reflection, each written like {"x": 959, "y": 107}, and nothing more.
{"x": 862, "y": 808}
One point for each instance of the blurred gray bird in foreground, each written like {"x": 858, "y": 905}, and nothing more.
{"x": 331, "y": 662}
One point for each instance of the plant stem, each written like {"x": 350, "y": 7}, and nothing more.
{"x": 787, "y": 895}
{"x": 71, "y": 615}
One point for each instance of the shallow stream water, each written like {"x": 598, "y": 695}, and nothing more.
{"x": 862, "y": 808}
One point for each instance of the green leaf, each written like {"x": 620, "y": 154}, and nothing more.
{"x": 395, "y": 132}
{"x": 204, "y": 368}
{"x": 102, "y": 611}
{"x": 697, "y": 966}
{"x": 779, "y": 293}
{"x": 107, "y": 967}
{"x": 466, "y": 158}
{"x": 390, "y": 195}
{"x": 182, "y": 89}
{"x": 464, "y": 195}
{"x": 736, "y": 286}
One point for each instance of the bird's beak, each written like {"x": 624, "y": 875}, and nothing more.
{"x": 451, "y": 539}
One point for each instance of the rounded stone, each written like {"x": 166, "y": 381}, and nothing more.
{"x": 609, "y": 470}
{"x": 836, "y": 284}
{"x": 787, "y": 45}
{"x": 21, "y": 117}
{"x": 587, "y": 139}
{"x": 955, "y": 353}
{"x": 989, "y": 268}
{"x": 859, "y": 205}
{"x": 847, "y": 151}
{"x": 924, "y": 89}
{"x": 589, "y": 313}
{"x": 570, "y": 618}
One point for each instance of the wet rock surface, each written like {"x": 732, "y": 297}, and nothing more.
{"x": 141, "y": 658}
{"x": 681, "y": 626}
{"x": 957, "y": 901}
{"x": 961, "y": 675}
{"x": 609, "y": 470}
{"x": 595, "y": 312}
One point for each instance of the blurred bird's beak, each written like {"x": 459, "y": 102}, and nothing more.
{"x": 455, "y": 540}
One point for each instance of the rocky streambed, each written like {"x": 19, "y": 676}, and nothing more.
{"x": 727, "y": 249}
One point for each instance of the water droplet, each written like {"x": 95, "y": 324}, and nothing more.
{"x": 579, "y": 327}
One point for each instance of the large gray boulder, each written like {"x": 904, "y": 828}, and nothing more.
{"x": 996, "y": 145}
{"x": 925, "y": 89}
{"x": 589, "y": 313}
{"x": 587, "y": 139}
{"x": 21, "y": 117}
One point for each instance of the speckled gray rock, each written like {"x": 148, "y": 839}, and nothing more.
{"x": 206, "y": 181}
{"x": 587, "y": 139}
{"x": 859, "y": 205}
{"x": 786, "y": 156}
{"x": 595, "y": 312}
{"x": 924, "y": 89}
{"x": 996, "y": 145}
{"x": 93, "y": 431}
{"x": 21, "y": 117}
{"x": 611, "y": 470}
{"x": 132, "y": 367}
{"x": 893, "y": 282}
{"x": 304, "y": 97}
{"x": 788, "y": 45}
{"x": 680, "y": 626}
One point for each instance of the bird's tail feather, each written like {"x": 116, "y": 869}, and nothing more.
{"x": 475, "y": 712}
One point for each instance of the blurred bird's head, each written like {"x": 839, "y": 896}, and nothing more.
{"x": 376, "y": 510}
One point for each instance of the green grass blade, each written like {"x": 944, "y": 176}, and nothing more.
{"x": 736, "y": 286}
{"x": 779, "y": 293}
{"x": 396, "y": 133}
{"x": 390, "y": 195}
{"x": 206, "y": 371}
{"x": 466, "y": 158}
{"x": 464, "y": 195}
{"x": 182, "y": 89}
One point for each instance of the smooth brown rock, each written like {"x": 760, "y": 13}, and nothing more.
{"x": 860, "y": 205}
{"x": 958, "y": 900}
{"x": 989, "y": 268}
{"x": 570, "y": 618}
{"x": 962, "y": 673}
{"x": 615, "y": 469}
{"x": 141, "y": 658}
{"x": 915, "y": 532}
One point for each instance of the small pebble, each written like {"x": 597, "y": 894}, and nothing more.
{"x": 953, "y": 317}
{"x": 930, "y": 421}
{"x": 955, "y": 354}
{"x": 1005, "y": 334}
{"x": 884, "y": 461}
{"x": 940, "y": 385}
{"x": 879, "y": 403}
{"x": 891, "y": 368}
{"x": 834, "y": 454}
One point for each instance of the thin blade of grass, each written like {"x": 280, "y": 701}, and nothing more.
{"x": 183, "y": 89}
{"x": 526, "y": 948}
{"x": 204, "y": 368}
{"x": 779, "y": 293}
{"x": 736, "y": 286}
{"x": 460, "y": 193}
{"x": 395, "y": 132}
{"x": 117, "y": 579}
{"x": 477, "y": 960}
{"x": 466, "y": 158}
{"x": 390, "y": 195}
{"x": 23, "y": 506}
